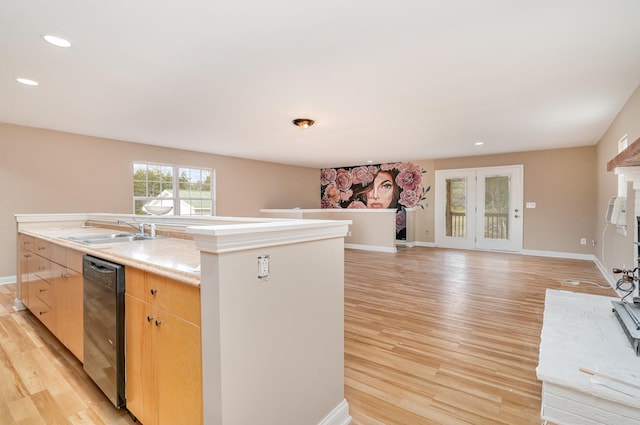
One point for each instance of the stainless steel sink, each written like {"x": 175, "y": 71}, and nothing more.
{"x": 110, "y": 238}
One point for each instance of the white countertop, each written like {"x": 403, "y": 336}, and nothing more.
{"x": 171, "y": 257}
{"x": 581, "y": 331}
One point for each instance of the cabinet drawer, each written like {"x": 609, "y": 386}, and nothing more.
{"x": 39, "y": 267}
{"x": 42, "y": 247}
{"x": 42, "y": 290}
{"x": 179, "y": 298}
{"x": 164, "y": 293}
{"x": 26, "y": 242}
{"x": 74, "y": 260}
{"x": 58, "y": 254}
{"x": 42, "y": 311}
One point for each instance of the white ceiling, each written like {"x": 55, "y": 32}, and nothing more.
{"x": 384, "y": 80}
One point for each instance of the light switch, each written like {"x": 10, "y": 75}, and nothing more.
{"x": 531, "y": 204}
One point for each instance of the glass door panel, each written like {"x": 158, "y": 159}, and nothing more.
{"x": 496, "y": 207}
{"x": 456, "y": 207}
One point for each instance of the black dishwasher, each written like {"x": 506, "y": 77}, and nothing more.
{"x": 103, "y": 303}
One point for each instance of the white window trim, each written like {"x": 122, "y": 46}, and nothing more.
{"x": 176, "y": 185}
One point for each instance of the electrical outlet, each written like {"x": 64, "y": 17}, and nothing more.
{"x": 263, "y": 267}
{"x": 426, "y": 233}
{"x": 583, "y": 241}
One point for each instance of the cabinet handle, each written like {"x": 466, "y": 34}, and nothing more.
{"x": 149, "y": 318}
{"x": 43, "y": 290}
{"x": 41, "y": 313}
{"x": 158, "y": 322}
{"x": 154, "y": 291}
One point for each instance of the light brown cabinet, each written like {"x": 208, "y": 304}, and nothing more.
{"x": 67, "y": 299}
{"x": 51, "y": 287}
{"x": 25, "y": 244}
{"x": 163, "y": 349}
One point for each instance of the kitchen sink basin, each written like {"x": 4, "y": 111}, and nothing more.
{"x": 110, "y": 238}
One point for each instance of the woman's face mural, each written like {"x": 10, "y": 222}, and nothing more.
{"x": 393, "y": 185}
{"x": 381, "y": 193}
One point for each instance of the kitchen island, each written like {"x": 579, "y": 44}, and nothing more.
{"x": 271, "y": 347}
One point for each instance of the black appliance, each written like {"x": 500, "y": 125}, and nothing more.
{"x": 103, "y": 302}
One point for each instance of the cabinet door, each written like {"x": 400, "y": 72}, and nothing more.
{"x": 179, "y": 370}
{"x": 141, "y": 392}
{"x": 67, "y": 311}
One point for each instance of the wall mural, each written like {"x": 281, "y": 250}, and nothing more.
{"x": 392, "y": 185}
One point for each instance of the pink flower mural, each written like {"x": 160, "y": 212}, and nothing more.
{"x": 395, "y": 185}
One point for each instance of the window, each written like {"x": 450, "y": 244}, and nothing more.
{"x": 622, "y": 184}
{"x": 173, "y": 190}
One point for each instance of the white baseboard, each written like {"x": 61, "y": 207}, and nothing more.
{"x": 557, "y": 254}
{"x": 603, "y": 271}
{"x": 426, "y": 244}
{"x": 338, "y": 416}
{"x": 7, "y": 279}
{"x": 608, "y": 275}
{"x": 370, "y": 247}
{"x": 400, "y": 242}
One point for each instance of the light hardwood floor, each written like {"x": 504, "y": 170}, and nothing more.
{"x": 436, "y": 336}
{"x": 432, "y": 336}
{"x": 41, "y": 382}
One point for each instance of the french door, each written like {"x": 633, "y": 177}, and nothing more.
{"x": 479, "y": 208}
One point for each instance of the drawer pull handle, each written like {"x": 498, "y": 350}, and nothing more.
{"x": 43, "y": 290}
{"x": 41, "y": 313}
{"x": 149, "y": 318}
{"x": 154, "y": 291}
{"x": 158, "y": 322}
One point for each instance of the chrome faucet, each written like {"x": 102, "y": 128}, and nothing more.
{"x": 138, "y": 226}
{"x": 152, "y": 229}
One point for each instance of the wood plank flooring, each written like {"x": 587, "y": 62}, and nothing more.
{"x": 41, "y": 382}
{"x": 432, "y": 336}
{"x": 437, "y": 336}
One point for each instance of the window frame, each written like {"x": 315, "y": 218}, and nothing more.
{"x": 175, "y": 177}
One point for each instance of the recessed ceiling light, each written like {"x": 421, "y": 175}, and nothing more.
{"x": 369, "y": 161}
{"x": 56, "y": 41}
{"x": 479, "y": 143}
{"x": 27, "y": 81}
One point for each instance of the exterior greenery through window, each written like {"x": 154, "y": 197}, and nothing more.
{"x": 172, "y": 190}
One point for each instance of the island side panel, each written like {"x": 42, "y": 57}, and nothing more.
{"x": 281, "y": 339}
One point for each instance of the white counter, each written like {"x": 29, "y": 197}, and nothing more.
{"x": 581, "y": 331}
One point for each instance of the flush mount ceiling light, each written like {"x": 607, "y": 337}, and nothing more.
{"x": 56, "y": 40}
{"x": 27, "y": 82}
{"x": 303, "y": 122}
{"x": 479, "y": 143}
